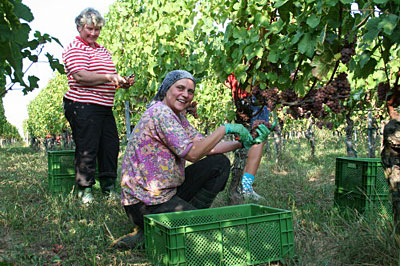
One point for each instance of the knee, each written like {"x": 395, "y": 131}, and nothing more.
{"x": 222, "y": 161}
{"x": 224, "y": 166}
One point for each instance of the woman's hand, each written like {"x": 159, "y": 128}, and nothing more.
{"x": 116, "y": 79}
{"x": 129, "y": 81}
{"x": 263, "y": 132}
{"x": 244, "y": 135}
{"x": 247, "y": 141}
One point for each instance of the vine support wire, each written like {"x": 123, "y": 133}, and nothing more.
{"x": 127, "y": 119}
{"x": 371, "y": 142}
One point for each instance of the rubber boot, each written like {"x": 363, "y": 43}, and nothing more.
{"x": 203, "y": 199}
{"x": 85, "y": 194}
{"x": 107, "y": 185}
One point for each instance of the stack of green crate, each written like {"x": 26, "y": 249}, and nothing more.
{"x": 247, "y": 234}
{"x": 61, "y": 171}
{"x": 360, "y": 184}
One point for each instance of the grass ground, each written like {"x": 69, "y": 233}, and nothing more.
{"x": 37, "y": 228}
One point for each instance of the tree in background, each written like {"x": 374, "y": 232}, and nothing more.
{"x": 152, "y": 38}
{"x": 8, "y": 133}
{"x": 16, "y": 45}
{"x": 46, "y": 116}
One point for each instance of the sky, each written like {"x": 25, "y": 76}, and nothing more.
{"x": 56, "y": 18}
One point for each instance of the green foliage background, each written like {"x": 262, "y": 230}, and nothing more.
{"x": 46, "y": 114}
{"x": 262, "y": 42}
{"x": 16, "y": 45}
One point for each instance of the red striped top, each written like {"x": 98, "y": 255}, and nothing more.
{"x": 80, "y": 56}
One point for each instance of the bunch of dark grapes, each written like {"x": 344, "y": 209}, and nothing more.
{"x": 192, "y": 109}
{"x": 243, "y": 110}
{"x": 342, "y": 85}
{"x": 334, "y": 105}
{"x": 319, "y": 99}
{"x": 312, "y": 104}
{"x": 256, "y": 123}
{"x": 348, "y": 50}
{"x": 347, "y": 53}
{"x": 289, "y": 95}
{"x": 323, "y": 95}
{"x": 243, "y": 117}
{"x": 270, "y": 97}
{"x": 328, "y": 92}
{"x": 307, "y": 102}
{"x": 383, "y": 89}
{"x": 129, "y": 82}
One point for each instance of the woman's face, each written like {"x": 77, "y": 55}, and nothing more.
{"x": 179, "y": 95}
{"x": 89, "y": 33}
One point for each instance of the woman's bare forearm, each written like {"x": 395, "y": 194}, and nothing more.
{"x": 89, "y": 78}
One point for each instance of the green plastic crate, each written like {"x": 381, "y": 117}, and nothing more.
{"x": 247, "y": 234}
{"x": 61, "y": 183}
{"x": 360, "y": 175}
{"x": 61, "y": 171}
{"x": 61, "y": 162}
{"x": 364, "y": 204}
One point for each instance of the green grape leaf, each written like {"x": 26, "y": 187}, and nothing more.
{"x": 22, "y": 11}
{"x": 313, "y": 21}
{"x": 388, "y": 23}
{"x": 279, "y": 3}
{"x": 372, "y": 29}
{"x": 306, "y": 45}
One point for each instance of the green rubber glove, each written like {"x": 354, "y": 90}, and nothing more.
{"x": 244, "y": 135}
{"x": 263, "y": 132}
{"x": 235, "y": 128}
{"x": 247, "y": 141}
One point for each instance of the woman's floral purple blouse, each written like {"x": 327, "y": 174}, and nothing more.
{"x": 153, "y": 165}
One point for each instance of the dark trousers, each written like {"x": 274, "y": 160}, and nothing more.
{"x": 96, "y": 139}
{"x": 210, "y": 173}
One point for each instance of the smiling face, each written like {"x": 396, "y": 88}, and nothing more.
{"x": 89, "y": 33}
{"x": 179, "y": 95}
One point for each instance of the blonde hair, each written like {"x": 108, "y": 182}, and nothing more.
{"x": 89, "y": 16}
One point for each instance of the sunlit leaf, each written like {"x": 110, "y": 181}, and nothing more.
{"x": 279, "y": 3}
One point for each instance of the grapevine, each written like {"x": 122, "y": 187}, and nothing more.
{"x": 312, "y": 104}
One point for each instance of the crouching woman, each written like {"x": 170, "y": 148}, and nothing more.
{"x": 154, "y": 177}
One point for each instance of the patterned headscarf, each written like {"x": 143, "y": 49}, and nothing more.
{"x": 168, "y": 81}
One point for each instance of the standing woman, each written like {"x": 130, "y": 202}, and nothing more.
{"x": 154, "y": 177}
{"x": 92, "y": 80}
